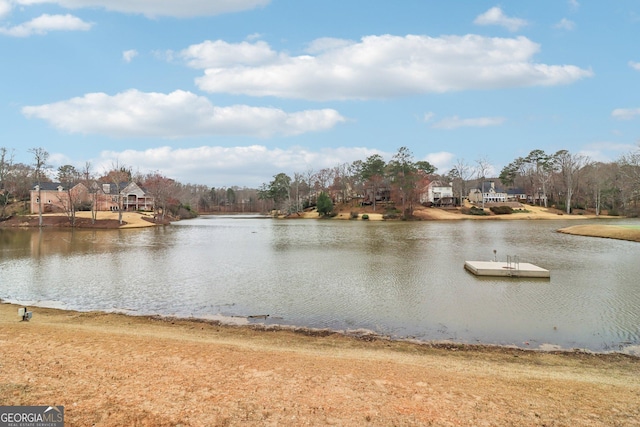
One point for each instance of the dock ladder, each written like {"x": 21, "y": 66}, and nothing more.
{"x": 513, "y": 264}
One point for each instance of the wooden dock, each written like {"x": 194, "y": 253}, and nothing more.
{"x": 504, "y": 269}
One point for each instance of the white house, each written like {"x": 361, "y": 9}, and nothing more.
{"x": 487, "y": 194}
{"x": 437, "y": 192}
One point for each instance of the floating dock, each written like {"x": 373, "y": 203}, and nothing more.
{"x": 505, "y": 269}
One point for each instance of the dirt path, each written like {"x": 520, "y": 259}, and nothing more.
{"x": 115, "y": 370}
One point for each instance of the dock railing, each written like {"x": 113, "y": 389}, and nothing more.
{"x": 513, "y": 264}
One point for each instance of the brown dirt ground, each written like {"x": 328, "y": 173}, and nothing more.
{"x": 422, "y": 213}
{"x": 116, "y": 370}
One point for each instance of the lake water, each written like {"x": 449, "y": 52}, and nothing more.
{"x": 398, "y": 279}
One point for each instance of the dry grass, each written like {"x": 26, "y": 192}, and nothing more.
{"x": 607, "y": 231}
{"x": 114, "y": 370}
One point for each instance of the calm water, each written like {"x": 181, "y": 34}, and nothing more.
{"x": 404, "y": 280}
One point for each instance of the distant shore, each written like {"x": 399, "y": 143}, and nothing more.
{"x": 109, "y": 220}
{"x": 104, "y": 220}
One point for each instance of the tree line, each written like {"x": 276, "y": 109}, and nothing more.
{"x": 565, "y": 180}
{"x": 572, "y": 181}
{"x": 370, "y": 181}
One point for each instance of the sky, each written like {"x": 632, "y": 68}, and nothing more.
{"x": 232, "y": 92}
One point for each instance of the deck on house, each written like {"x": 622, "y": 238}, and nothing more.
{"x": 504, "y": 269}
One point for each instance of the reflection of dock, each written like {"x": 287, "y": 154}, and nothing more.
{"x": 505, "y": 269}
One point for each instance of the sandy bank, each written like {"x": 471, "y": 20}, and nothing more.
{"x": 608, "y": 231}
{"x": 527, "y": 212}
{"x": 115, "y": 370}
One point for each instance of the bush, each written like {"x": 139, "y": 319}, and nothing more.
{"x": 474, "y": 211}
{"x": 391, "y": 213}
{"x": 365, "y": 217}
{"x": 353, "y": 215}
{"x": 501, "y": 210}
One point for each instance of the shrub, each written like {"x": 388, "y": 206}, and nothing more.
{"x": 354, "y": 215}
{"x": 365, "y": 217}
{"x": 501, "y": 210}
{"x": 474, "y": 211}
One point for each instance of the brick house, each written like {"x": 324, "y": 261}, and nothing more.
{"x": 55, "y": 197}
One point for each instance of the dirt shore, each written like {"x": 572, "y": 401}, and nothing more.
{"x": 104, "y": 220}
{"x": 607, "y": 231}
{"x": 522, "y": 212}
{"x": 116, "y": 370}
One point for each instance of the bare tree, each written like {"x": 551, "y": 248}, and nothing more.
{"x": 40, "y": 157}
{"x": 482, "y": 169}
{"x": 569, "y": 166}
{"x": 161, "y": 188}
{"x": 372, "y": 175}
{"x": 459, "y": 175}
{"x": 6, "y": 167}
{"x": 630, "y": 171}
{"x": 69, "y": 177}
{"x": 92, "y": 187}
{"x": 298, "y": 181}
{"x": 118, "y": 175}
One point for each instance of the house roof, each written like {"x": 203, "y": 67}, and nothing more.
{"x": 49, "y": 186}
{"x": 54, "y": 186}
{"x": 439, "y": 184}
{"x": 515, "y": 191}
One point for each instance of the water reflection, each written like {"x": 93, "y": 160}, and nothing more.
{"x": 396, "y": 278}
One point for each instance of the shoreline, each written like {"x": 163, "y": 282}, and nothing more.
{"x": 109, "y": 220}
{"x": 252, "y": 322}
{"x": 104, "y": 221}
{"x": 617, "y": 232}
{"x": 114, "y": 369}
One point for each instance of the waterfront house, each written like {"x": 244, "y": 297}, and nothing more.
{"x": 486, "y": 192}
{"x": 56, "y": 197}
{"x": 438, "y": 193}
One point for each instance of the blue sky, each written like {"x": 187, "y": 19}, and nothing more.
{"x": 232, "y": 92}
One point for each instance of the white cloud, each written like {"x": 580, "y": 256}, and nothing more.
{"x": 565, "y": 24}
{"x": 153, "y": 8}
{"x": 574, "y": 4}
{"x": 634, "y": 65}
{"x": 128, "y": 55}
{"x": 376, "y": 67}
{"x": 625, "y": 113}
{"x": 495, "y": 16}
{"x": 456, "y": 122}
{"x": 226, "y": 166}
{"x": 174, "y": 115}
{"x": 606, "y": 151}
{"x": 324, "y": 44}
{"x": 215, "y": 54}
{"x": 428, "y": 116}
{"x": 46, "y": 23}
{"x": 441, "y": 160}
{"x": 5, "y": 8}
